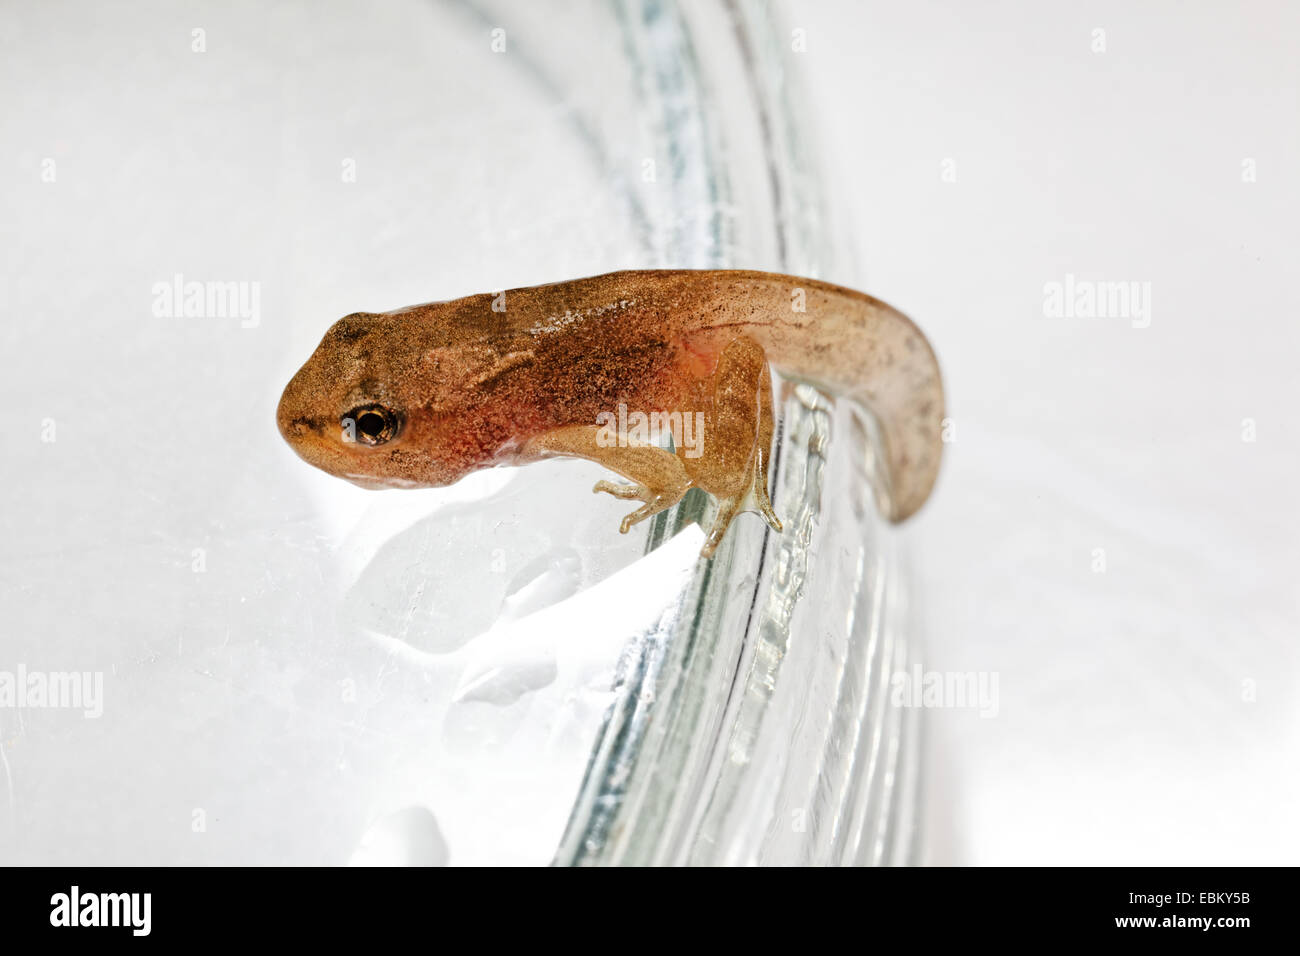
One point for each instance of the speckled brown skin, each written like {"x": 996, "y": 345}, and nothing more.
{"x": 470, "y": 386}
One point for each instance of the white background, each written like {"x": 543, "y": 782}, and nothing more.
{"x": 1127, "y": 732}
{"x": 1146, "y": 713}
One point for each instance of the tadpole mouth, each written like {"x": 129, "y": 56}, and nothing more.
{"x": 296, "y": 430}
{"x": 300, "y": 430}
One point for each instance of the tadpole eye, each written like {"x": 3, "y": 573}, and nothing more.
{"x": 371, "y": 424}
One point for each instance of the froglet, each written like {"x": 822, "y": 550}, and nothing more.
{"x": 421, "y": 396}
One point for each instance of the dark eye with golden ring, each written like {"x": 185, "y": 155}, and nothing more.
{"x": 372, "y": 424}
